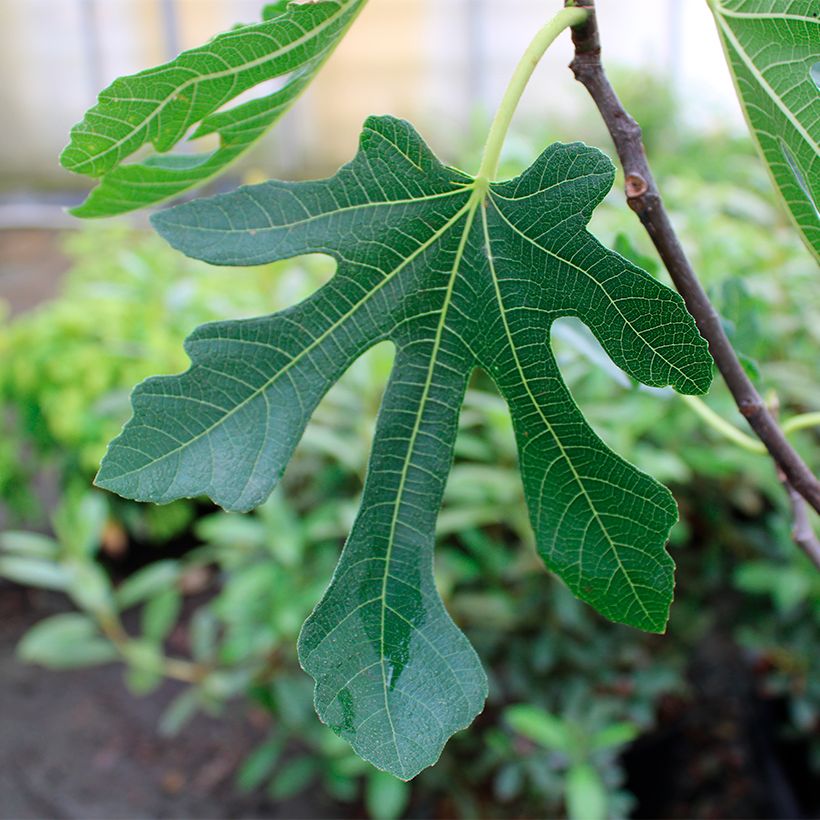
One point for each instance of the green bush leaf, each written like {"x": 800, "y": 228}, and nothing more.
{"x": 35, "y": 572}
{"x": 458, "y": 274}
{"x": 29, "y": 545}
{"x": 161, "y": 105}
{"x": 79, "y": 522}
{"x": 179, "y": 712}
{"x": 160, "y": 614}
{"x": 540, "y": 727}
{"x": 148, "y": 581}
{"x": 294, "y": 777}
{"x": 258, "y": 765}
{"x": 773, "y": 50}
{"x": 145, "y": 666}
{"x": 90, "y": 587}
{"x": 386, "y": 797}
{"x": 586, "y": 794}
{"x": 618, "y": 734}
{"x": 204, "y": 634}
{"x": 65, "y": 642}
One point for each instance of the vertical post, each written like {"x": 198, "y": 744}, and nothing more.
{"x": 91, "y": 45}
{"x": 170, "y": 25}
{"x": 476, "y": 55}
{"x": 675, "y": 45}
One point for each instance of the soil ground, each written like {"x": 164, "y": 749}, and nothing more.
{"x": 77, "y": 745}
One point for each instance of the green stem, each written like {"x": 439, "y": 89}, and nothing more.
{"x": 566, "y": 18}
{"x": 173, "y": 668}
{"x": 801, "y": 422}
{"x": 729, "y": 431}
{"x": 723, "y": 427}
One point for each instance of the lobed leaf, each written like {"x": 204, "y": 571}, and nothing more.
{"x": 773, "y": 50}
{"x": 457, "y": 273}
{"x": 160, "y": 106}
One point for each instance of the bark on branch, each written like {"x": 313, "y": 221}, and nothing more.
{"x": 802, "y": 531}
{"x": 643, "y": 197}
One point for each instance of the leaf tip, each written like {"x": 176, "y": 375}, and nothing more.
{"x": 79, "y": 211}
{"x": 172, "y": 227}
{"x": 701, "y": 374}
{"x": 105, "y": 478}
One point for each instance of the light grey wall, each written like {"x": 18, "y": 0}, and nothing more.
{"x": 56, "y": 54}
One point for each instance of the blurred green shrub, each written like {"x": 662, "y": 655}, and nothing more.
{"x": 124, "y": 308}
{"x": 582, "y": 749}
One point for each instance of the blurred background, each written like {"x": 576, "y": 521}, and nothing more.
{"x": 448, "y": 66}
{"x": 148, "y": 655}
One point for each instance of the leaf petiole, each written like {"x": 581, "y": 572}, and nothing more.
{"x": 725, "y": 428}
{"x": 801, "y": 422}
{"x": 730, "y": 432}
{"x": 564, "y": 19}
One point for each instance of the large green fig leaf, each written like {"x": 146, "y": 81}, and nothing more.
{"x": 160, "y": 106}
{"x": 773, "y": 50}
{"x": 457, "y": 273}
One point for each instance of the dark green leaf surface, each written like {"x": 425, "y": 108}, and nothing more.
{"x": 160, "y": 106}
{"x": 458, "y": 274}
{"x": 773, "y": 49}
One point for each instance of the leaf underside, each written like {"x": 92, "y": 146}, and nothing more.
{"x": 457, "y": 275}
{"x": 773, "y": 50}
{"x": 160, "y": 106}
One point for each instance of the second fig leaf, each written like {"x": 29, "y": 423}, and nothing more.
{"x": 773, "y": 51}
{"x": 190, "y": 97}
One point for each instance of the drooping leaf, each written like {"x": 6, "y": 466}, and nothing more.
{"x": 541, "y": 727}
{"x": 457, "y": 274}
{"x": 161, "y": 105}
{"x": 773, "y": 50}
{"x": 28, "y": 545}
{"x": 34, "y": 572}
{"x": 65, "y": 642}
{"x": 141, "y": 585}
{"x": 614, "y": 735}
{"x": 586, "y": 795}
{"x": 295, "y": 776}
{"x": 385, "y": 797}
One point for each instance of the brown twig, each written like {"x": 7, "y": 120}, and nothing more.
{"x": 802, "y": 532}
{"x": 643, "y": 197}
